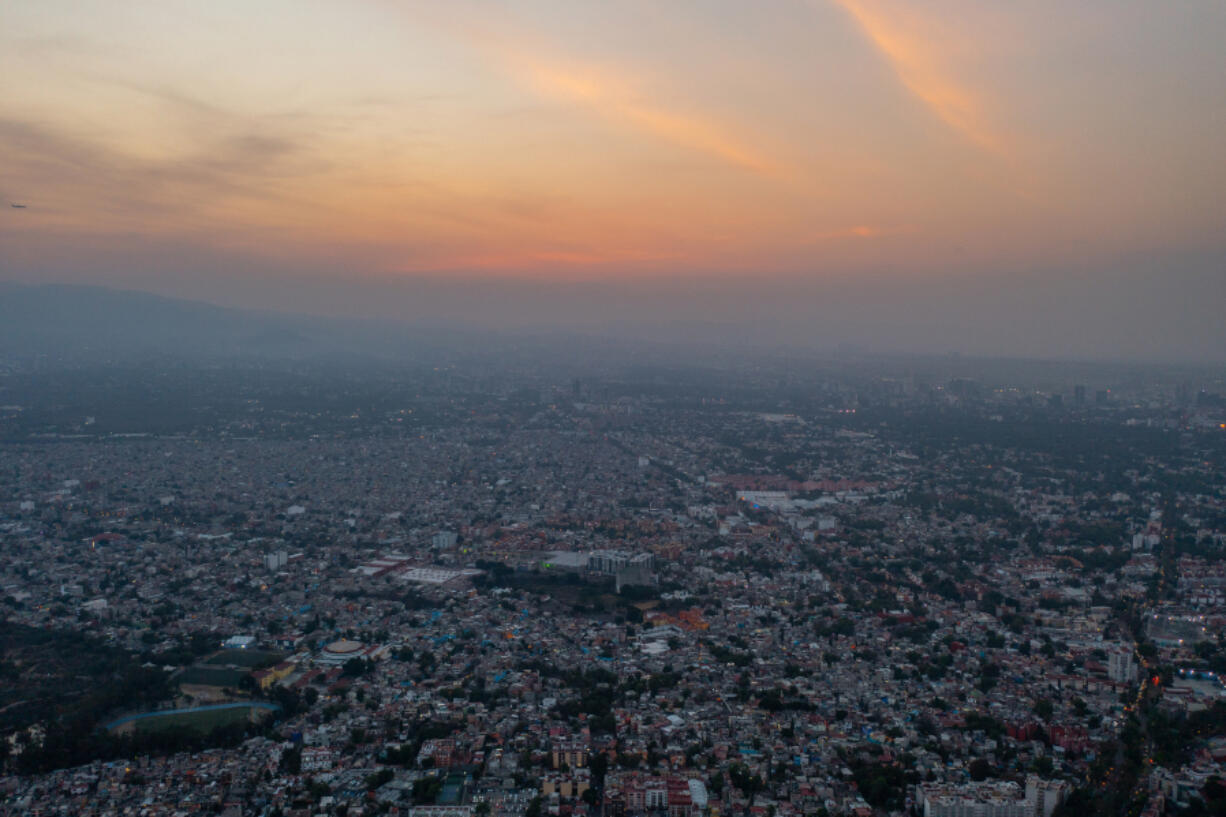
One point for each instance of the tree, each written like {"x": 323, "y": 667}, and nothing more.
{"x": 426, "y": 789}
{"x": 318, "y": 790}
{"x": 598, "y": 766}
{"x": 377, "y": 779}
{"x": 291, "y": 761}
{"x": 980, "y": 769}
{"x": 741, "y": 777}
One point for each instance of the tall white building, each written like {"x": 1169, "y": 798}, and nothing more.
{"x": 276, "y": 560}
{"x": 994, "y": 798}
{"x": 1121, "y": 666}
{"x": 1045, "y": 795}
{"x": 610, "y": 561}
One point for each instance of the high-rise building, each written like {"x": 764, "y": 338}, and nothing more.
{"x": 1121, "y": 666}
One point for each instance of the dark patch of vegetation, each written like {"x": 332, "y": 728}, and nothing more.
{"x": 55, "y": 676}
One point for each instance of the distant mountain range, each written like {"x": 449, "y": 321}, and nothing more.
{"x": 81, "y": 321}
{"x": 83, "y": 324}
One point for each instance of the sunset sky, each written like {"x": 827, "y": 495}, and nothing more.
{"x": 1039, "y": 178}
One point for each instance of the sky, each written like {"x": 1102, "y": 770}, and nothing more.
{"x": 1044, "y": 178}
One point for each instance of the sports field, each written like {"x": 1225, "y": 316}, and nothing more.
{"x": 202, "y": 719}
{"x": 251, "y": 659}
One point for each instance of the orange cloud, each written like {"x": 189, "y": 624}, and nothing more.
{"x": 616, "y": 101}
{"x": 859, "y": 231}
{"x": 919, "y": 65}
{"x": 611, "y": 95}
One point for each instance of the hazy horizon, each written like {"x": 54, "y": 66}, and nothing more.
{"x": 456, "y": 315}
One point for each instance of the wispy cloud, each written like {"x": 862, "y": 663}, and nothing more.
{"x": 614, "y": 95}
{"x": 859, "y": 231}
{"x": 522, "y": 260}
{"x": 94, "y": 187}
{"x": 920, "y": 66}
{"x": 616, "y": 100}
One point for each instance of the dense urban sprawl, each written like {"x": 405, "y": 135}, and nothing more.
{"x": 617, "y": 598}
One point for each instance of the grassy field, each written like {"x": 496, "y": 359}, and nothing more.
{"x": 252, "y": 659}
{"x": 203, "y": 722}
{"x": 211, "y": 676}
